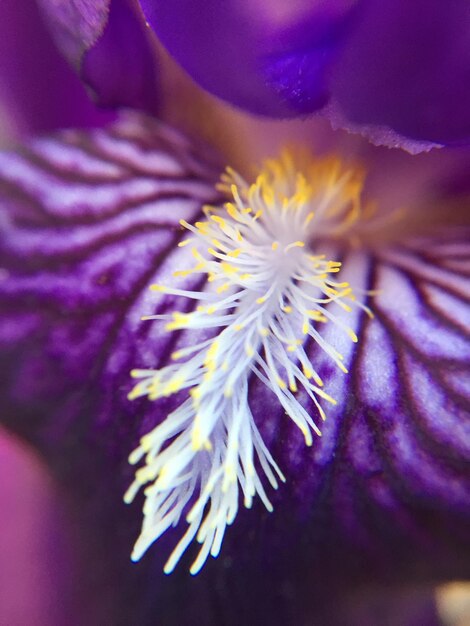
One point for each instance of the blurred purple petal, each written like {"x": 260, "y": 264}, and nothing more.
{"x": 77, "y": 24}
{"x": 268, "y": 58}
{"x": 38, "y": 90}
{"x": 36, "y": 581}
{"x": 407, "y": 66}
{"x": 90, "y": 220}
{"x": 397, "y": 72}
{"x": 111, "y": 47}
{"x": 96, "y": 214}
{"x": 374, "y": 605}
{"x": 392, "y": 70}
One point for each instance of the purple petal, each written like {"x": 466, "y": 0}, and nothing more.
{"x": 77, "y": 24}
{"x": 397, "y": 72}
{"x": 39, "y": 91}
{"x": 385, "y": 490}
{"x": 90, "y": 220}
{"x": 268, "y": 58}
{"x": 36, "y": 585}
{"x": 110, "y": 46}
{"x": 87, "y": 222}
{"x": 407, "y": 67}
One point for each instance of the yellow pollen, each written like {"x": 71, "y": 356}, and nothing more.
{"x": 212, "y": 351}
{"x": 218, "y": 220}
{"x": 317, "y": 316}
{"x": 180, "y": 320}
{"x": 307, "y": 372}
{"x": 233, "y": 212}
{"x": 195, "y": 392}
{"x": 295, "y": 244}
{"x": 249, "y": 351}
{"x": 227, "y": 268}
{"x": 271, "y": 297}
{"x": 353, "y": 335}
{"x": 198, "y": 442}
{"x": 173, "y": 386}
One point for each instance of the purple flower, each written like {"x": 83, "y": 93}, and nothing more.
{"x": 36, "y": 579}
{"x": 109, "y": 45}
{"x": 92, "y": 219}
{"x": 38, "y": 90}
{"x": 265, "y": 328}
{"x": 390, "y": 70}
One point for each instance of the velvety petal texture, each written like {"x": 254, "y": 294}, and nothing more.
{"x": 89, "y": 221}
{"x": 78, "y": 24}
{"x": 36, "y": 581}
{"x": 269, "y": 58}
{"x": 393, "y": 71}
{"x": 407, "y": 67}
{"x": 111, "y": 47}
{"x": 38, "y": 90}
{"x": 390, "y": 67}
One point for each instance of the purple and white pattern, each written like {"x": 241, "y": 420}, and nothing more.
{"x": 88, "y": 222}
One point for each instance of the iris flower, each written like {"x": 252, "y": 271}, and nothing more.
{"x": 396, "y": 71}
{"x": 295, "y": 401}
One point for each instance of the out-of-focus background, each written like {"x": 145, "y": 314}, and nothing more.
{"x": 38, "y": 89}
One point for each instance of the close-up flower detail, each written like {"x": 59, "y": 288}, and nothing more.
{"x": 92, "y": 220}
{"x": 234, "y": 312}
{"x": 271, "y": 289}
{"x": 373, "y": 68}
{"x": 109, "y": 45}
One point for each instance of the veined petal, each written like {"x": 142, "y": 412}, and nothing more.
{"x": 90, "y": 220}
{"x": 384, "y": 494}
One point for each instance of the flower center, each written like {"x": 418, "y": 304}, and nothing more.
{"x": 268, "y": 291}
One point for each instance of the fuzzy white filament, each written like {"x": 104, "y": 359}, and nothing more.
{"x": 268, "y": 291}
